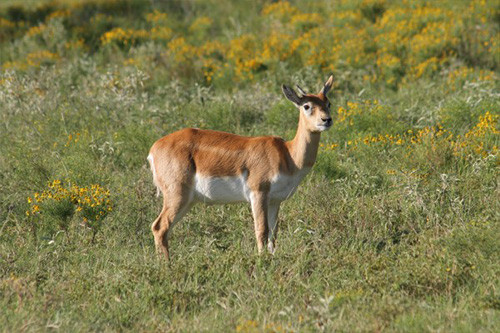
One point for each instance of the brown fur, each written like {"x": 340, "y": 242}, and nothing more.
{"x": 179, "y": 156}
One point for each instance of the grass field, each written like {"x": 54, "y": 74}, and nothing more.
{"x": 395, "y": 229}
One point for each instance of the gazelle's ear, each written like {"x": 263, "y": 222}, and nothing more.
{"x": 301, "y": 91}
{"x": 291, "y": 95}
{"x": 328, "y": 85}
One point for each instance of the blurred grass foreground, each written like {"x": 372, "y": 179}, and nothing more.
{"x": 395, "y": 229}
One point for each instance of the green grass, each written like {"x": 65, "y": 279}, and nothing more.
{"x": 377, "y": 237}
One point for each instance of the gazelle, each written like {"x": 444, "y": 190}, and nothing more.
{"x": 194, "y": 165}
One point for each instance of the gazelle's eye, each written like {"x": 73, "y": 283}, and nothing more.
{"x": 306, "y": 107}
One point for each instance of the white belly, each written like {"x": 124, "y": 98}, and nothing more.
{"x": 221, "y": 189}
{"x": 235, "y": 189}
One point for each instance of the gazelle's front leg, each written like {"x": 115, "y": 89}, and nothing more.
{"x": 272, "y": 222}
{"x": 260, "y": 208}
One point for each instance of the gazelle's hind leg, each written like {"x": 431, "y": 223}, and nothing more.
{"x": 175, "y": 205}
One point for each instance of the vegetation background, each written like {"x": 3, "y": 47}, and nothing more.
{"x": 395, "y": 229}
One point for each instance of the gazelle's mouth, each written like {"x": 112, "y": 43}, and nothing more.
{"x": 323, "y": 127}
{"x": 327, "y": 122}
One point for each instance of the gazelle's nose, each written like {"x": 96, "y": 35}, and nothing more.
{"x": 327, "y": 121}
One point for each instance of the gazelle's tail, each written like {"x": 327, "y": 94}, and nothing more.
{"x": 153, "y": 170}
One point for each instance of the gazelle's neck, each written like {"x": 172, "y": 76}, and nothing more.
{"x": 304, "y": 147}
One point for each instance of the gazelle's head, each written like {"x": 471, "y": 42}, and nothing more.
{"x": 314, "y": 108}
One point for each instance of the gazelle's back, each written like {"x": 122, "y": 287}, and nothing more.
{"x": 219, "y": 154}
